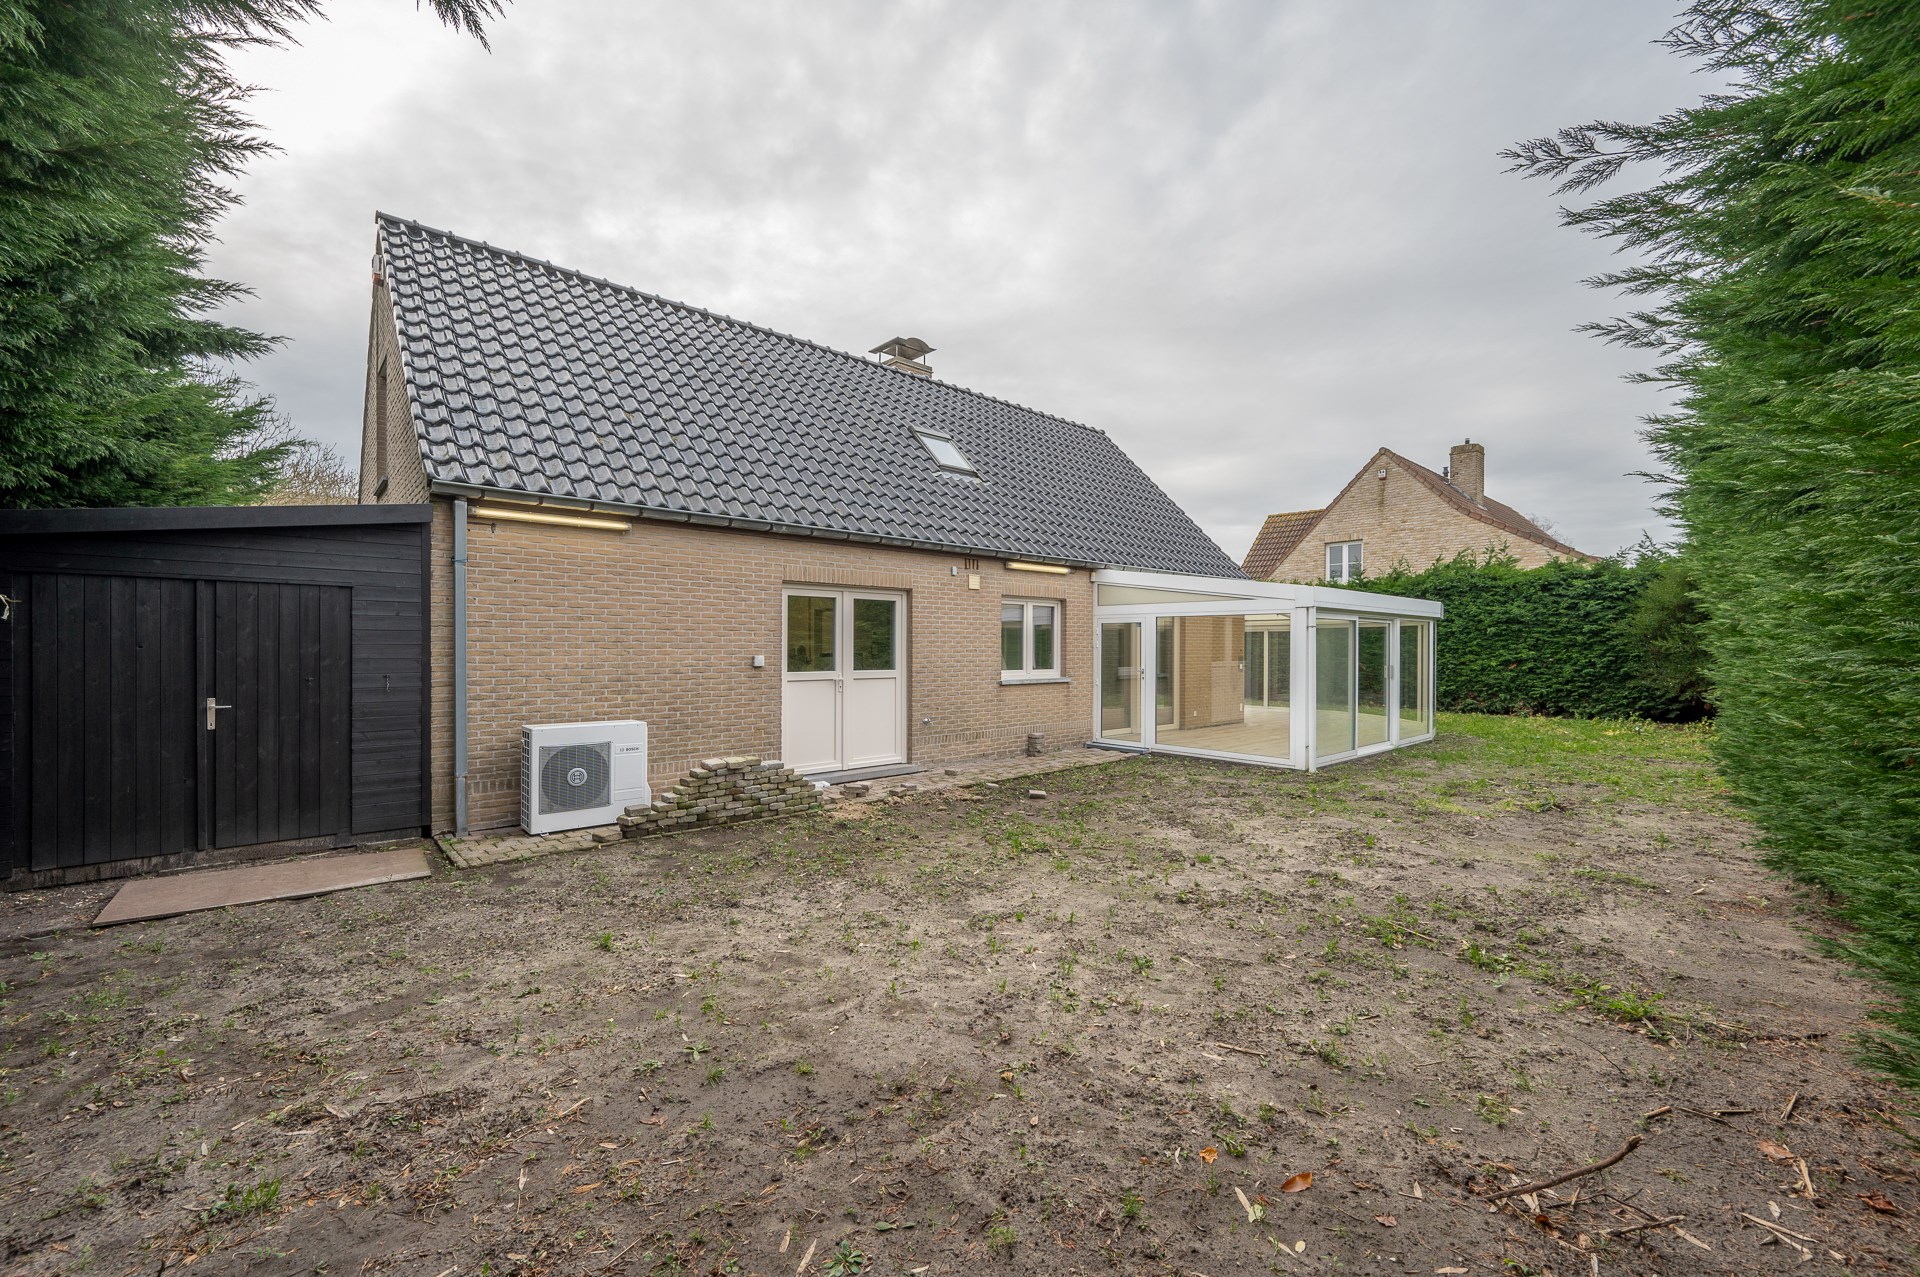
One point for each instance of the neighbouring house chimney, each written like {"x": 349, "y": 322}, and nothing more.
{"x": 908, "y": 354}
{"x": 1468, "y": 470}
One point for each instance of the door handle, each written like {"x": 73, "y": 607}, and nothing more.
{"x": 211, "y": 707}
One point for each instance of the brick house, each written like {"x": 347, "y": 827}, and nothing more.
{"x": 1397, "y": 511}
{"x": 756, "y": 544}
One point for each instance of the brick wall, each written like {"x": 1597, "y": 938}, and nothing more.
{"x": 661, "y": 623}
{"x": 406, "y": 476}
{"x": 1399, "y": 518}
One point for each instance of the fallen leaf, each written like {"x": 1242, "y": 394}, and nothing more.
{"x": 1879, "y": 1203}
{"x": 1208, "y": 1153}
{"x": 1775, "y": 1152}
{"x": 1299, "y": 1183}
{"x": 1385, "y": 1221}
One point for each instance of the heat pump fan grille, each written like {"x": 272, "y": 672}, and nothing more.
{"x": 575, "y": 777}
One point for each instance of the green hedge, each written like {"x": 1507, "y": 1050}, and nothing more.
{"x": 1771, "y": 260}
{"x": 1586, "y": 640}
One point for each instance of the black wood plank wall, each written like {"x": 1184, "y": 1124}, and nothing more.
{"x": 132, "y": 567}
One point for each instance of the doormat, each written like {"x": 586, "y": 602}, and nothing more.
{"x": 191, "y": 892}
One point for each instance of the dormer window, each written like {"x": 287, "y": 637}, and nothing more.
{"x": 945, "y": 452}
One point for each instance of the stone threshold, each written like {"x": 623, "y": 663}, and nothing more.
{"x": 865, "y": 773}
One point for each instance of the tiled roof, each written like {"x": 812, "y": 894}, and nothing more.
{"x": 1278, "y": 537}
{"x": 1501, "y": 516}
{"x": 527, "y": 377}
{"x": 1283, "y": 533}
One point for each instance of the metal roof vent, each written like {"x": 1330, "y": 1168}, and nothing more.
{"x": 908, "y": 354}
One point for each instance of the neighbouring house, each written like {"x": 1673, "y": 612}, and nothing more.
{"x": 1397, "y": 511}
{"x": 760, "y": 545}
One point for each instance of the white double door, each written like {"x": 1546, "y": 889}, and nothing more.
{"x": 843, "y": 693}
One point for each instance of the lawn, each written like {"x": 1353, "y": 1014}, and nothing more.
{"x": 1172, "y": 1017}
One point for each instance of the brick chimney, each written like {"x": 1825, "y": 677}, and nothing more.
{"x": 1467, "y": 467}
{"x": 907, "y": 354}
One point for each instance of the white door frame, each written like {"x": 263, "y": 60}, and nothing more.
{"x": 843, "y": 669}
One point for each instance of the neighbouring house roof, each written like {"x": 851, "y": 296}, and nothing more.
{"x": 1501, "y": 516}
{"x": 1282, "y": 533}
{"x": 530, "y": 378}
{"x": 1279, "y": 536}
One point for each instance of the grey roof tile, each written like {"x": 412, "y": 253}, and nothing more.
{"x": 527, "y": 377}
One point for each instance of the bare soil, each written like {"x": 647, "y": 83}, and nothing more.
{"x": 1102, "y": 1031}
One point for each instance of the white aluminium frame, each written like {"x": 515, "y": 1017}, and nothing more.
{"x": 1304, "y": 606}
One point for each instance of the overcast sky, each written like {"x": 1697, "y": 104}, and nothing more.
{"x": 1251, "y": 241}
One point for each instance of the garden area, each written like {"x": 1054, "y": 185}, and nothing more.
{"x": 1165, "y": 1016}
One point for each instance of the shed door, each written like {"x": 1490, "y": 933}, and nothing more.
{"x": 112, "y": 678}
{"x": 106, "y": 732}
{"x": 279, "y": 669}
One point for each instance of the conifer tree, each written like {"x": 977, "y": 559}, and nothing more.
{"x": 119, "y": 127}
{"x": 1779, "y": 253}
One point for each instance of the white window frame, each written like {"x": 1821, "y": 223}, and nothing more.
{"x": 1027, "y": 673}
{"x": 1349, "y": 552}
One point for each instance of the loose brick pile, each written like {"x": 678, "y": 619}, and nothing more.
{"x": 723, "y": 791}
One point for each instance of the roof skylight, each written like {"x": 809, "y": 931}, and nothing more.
{"x": 945, "y": 452}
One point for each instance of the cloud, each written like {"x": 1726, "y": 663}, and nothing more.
{"x": 1251, "y": 241}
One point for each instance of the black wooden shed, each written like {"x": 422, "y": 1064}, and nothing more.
{"x": 180, "y": 682}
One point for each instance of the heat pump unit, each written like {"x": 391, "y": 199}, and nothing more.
{"x": 573, "y": 775}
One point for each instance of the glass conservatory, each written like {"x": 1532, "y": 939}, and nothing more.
{"x": 1260, "y": 671}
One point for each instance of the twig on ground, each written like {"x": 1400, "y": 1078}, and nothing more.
{"x": 1711, "y": 1117}
{"x": 623, "y": 1251}
{"x": 1662, "y": 1111}
{"x": 1243, "y": 1050}
{"x": 1793, "y": 1102}
{"x": 1633, "y": 1142}
{"x": 1786, "y": 1235}
{"x": 1643, "y": 1225}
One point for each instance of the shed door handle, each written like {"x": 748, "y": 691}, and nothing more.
{"x": 211, "y": 707}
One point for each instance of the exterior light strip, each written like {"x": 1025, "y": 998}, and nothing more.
{"x": 1015, "y": 565}
{"x": 542, "y": 516}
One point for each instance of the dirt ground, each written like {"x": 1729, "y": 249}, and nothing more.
{"x": 1102, "y": 1031}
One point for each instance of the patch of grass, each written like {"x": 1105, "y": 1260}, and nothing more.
{"x": 844, "y": 1262}
{"x": 1614, "y": 876}
{"x": 1492, "y": 1110}
{"x": 239, "y": 1203}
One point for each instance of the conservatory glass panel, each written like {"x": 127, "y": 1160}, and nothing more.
{"x": 1333, "y": 687}
{"x": 1120, "y": 681}
{"x": 1416, "y": 699}
{"x": 1163, "y": 671}
{"x": 1374, "y": 719}
{"x": 1280, "y": 666}
{"x": 1211, "y": 708}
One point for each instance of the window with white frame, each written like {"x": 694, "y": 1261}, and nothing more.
{"x": 945, "y": 452}
{"x": 1343, "y": 560}
{"x": 1029, "y": 639}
